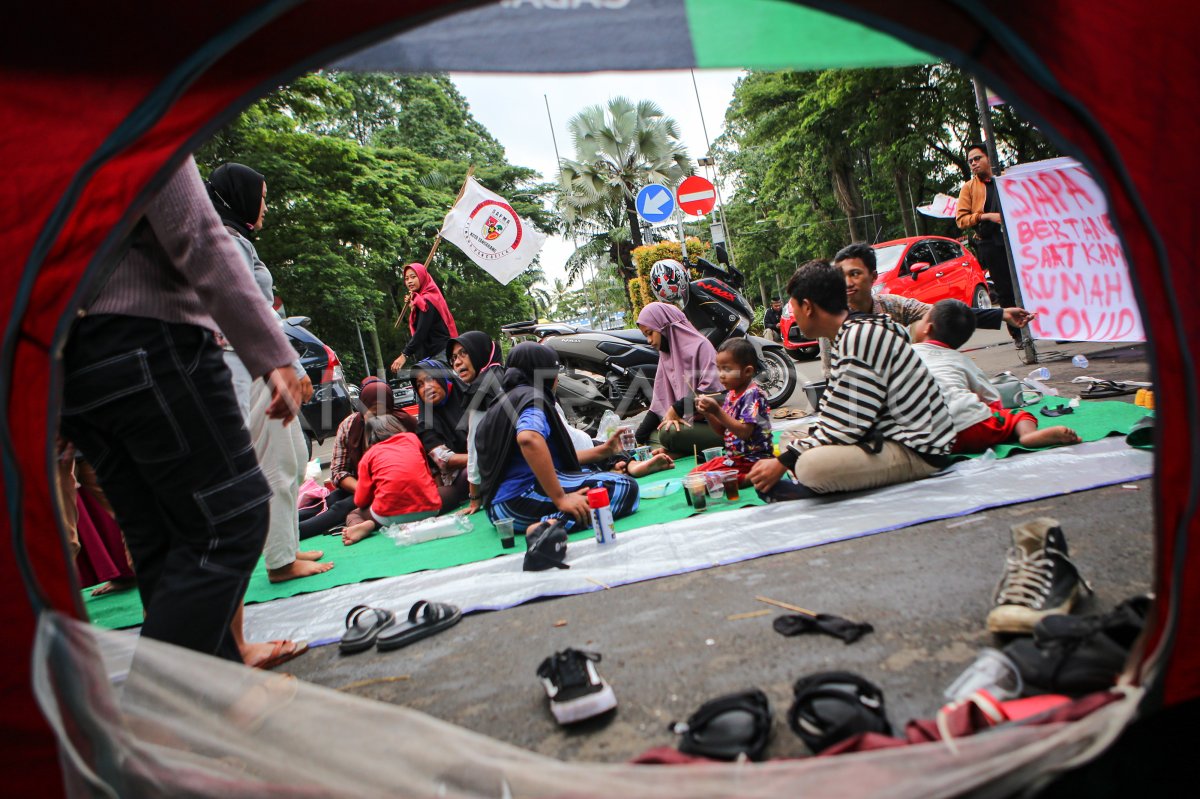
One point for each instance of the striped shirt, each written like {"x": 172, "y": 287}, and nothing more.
{"x": 878, "y": 387}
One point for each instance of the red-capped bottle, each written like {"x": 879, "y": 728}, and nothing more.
{"x": 602, "y": 520}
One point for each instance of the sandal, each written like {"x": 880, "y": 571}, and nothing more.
{"x": 363, "y": 625}
{"x": 1107, "y": 388}
{"x": 424, "y": 619}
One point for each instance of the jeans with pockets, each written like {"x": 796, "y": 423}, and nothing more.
{"x": 152, "y": 407}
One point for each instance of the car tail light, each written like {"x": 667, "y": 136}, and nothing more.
{"x": 333, "y": 368}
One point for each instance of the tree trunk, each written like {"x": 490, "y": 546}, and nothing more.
{"x": 635, "y": 227}
{"x": 845, "y": 191}
{"x": 380, "y": 369}
{"x": 902, "y": 203}
{"x": 762, "y": 290}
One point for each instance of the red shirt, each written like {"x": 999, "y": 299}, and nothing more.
{"x": 393, "y": 478}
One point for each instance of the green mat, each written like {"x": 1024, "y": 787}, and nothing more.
{"x": 1092, "y": 420}
{"x": 377, "y": 556}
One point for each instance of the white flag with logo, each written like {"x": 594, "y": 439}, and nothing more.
{"x": 484, "y": 226}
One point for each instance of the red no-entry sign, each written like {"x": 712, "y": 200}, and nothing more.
{"x": 696, "y": 196}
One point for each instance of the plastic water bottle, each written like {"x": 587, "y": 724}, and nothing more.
{"x": 602, "y": 520}
{"x": 1041, "y": 373}
{"x": 1080, "y": 361}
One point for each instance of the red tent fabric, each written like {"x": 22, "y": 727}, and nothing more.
{"x": 97, "y": 103}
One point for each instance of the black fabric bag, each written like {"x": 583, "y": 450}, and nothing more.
{"x": 546, "y": 547}
{"x": 831, "y": 706}
{"x": 728, "y": 727}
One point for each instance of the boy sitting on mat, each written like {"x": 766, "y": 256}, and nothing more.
{"x": 743, "y": 420}
{"x": 980, "y": 421}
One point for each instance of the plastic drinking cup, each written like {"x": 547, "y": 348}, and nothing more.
{"x": 628, "y": 439}
{"x": 730, "y": 479}
{"x": 713, "y": 452}
{"x": 992, "y": 670}
{"x": 641, "y": 454}
{"x": 696, "y": 488}
{"x": 714, "y": 484}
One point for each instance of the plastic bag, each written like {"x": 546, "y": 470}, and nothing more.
{"x": 609, "y": 423}
{"x": 428, "y": 529}
{"x": 311, "y": 494}
{"x": 313, "y": 470}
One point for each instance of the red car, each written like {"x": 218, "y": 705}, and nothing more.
{"x": 926, "y": 268}
{"x": 930, "y": 268}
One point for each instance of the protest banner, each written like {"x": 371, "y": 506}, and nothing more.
{"x": 484, "y": 226}
{"x": 1069, "y": 261}
{"x": 943, "y": 206}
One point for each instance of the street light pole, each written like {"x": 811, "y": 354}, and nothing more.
{"x": 989, "y": 141}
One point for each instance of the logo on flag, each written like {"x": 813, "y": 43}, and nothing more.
{"x": 484, "y": 226}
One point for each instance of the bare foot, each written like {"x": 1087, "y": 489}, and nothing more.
{"x": 112, "y": 586}
{"x": 357, "y": 532}
{"x": 657, "y": 463}
{"x": 271, "y": 653}
{"x": 312, "y": 554}
{"x": 297, "y": 569}
{"x": 1050, "y": 437}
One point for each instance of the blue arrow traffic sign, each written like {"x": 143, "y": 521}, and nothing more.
{"x": 655, "y": 203}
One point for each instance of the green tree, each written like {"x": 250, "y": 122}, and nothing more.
{"x": 827, "y": 157}
{"x": 361, "y": 170}
{"x": 619, "y": 148}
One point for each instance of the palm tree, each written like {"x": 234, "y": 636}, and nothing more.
{"x": 619, "y": 148}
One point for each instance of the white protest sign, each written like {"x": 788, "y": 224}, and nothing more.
{"x": 1069, "y": 261}
{"x": 943, "y": 206}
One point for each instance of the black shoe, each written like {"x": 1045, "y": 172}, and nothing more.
{"x": 576, "y": 689}
{"x": 1123, "y": 624}
{"x": 1039, "y": 579}
{"x": 1077, "y": 655}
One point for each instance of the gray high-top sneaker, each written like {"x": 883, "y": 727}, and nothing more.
{"x": 1039, "y": 579}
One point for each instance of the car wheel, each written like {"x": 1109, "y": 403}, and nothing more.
{"x": 981, "y": 299}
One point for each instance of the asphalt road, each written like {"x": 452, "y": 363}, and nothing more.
{"x": 670, "y": 644}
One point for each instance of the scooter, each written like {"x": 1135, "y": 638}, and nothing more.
{"x": 598, "y": 370}
{"x": 614, "y": 370}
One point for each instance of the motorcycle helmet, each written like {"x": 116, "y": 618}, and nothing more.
{"x": 669, "y": 281}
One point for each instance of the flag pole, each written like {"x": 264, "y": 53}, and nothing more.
{"x": 438, "y": 239}
{"x": 461, "y": 191}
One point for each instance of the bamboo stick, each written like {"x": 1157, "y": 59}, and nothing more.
{"x": 785, "y": 605}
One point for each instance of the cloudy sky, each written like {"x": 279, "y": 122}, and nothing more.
{"x": 513, "y": 108}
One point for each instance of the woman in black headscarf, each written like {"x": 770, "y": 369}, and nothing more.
{"x": 529, "y": 469}
{"x": 475, "y": 359}
{"x": 442, "y": 427}
{"x": 239, "y": 195}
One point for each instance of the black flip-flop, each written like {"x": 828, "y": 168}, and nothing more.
{"x": 363, "y": 625}
{"x": 1107, "y": 388}
{"x": 424, "y": 619}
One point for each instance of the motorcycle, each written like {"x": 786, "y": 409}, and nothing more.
{"x": 614, "y": 369}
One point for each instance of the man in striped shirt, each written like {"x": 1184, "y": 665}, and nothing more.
{"x": 881, "y": 420}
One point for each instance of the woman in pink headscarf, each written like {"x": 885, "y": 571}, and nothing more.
{"x": 687, "y": 367}
{"x": 429, "y": 320}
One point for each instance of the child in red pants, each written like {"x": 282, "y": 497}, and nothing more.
{"x": 980, "y": 421}
{"x": 744, "y": 419}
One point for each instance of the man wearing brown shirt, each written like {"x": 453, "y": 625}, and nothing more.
{"x": 979, "y": 208}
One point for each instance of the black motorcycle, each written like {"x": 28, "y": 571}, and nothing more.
{"x": 603, "y": 370}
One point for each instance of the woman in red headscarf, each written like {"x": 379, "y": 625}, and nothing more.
{"x": 429, "y": 320}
